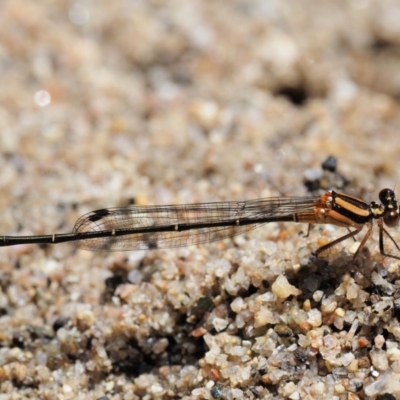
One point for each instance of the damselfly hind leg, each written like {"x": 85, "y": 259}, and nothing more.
{"x": 355, "y": 261}
{"x": 340, "y": 239}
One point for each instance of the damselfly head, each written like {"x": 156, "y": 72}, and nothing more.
{"x": 391, "y": 213}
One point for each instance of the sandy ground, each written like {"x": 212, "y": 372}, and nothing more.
{"x": 168, "y": 102}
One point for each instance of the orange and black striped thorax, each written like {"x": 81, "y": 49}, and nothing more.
{"x": 353, "y": 208}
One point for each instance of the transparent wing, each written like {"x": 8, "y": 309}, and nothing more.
{"x": 149, "y": 227}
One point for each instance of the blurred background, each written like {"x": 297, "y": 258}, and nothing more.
{"x": 156, "y": 102}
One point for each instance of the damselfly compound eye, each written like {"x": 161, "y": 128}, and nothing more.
{"x": 386, "y": 196}
{"x": 391, "y": 219}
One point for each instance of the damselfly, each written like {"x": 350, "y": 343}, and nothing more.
{"x": 151, "y": 227}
